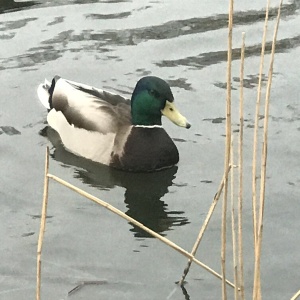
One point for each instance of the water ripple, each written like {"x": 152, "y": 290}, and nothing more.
{"x": 10, "y": 25}
{"x": 210, "y": 58}
{"x": 121, "y": 15}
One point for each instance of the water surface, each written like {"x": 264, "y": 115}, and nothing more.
{"x": 111, "y": 44}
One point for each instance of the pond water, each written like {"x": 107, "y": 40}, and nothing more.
{"x": 111, "y": 44}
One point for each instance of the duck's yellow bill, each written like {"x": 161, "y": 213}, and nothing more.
{"x": 173, "y": 114}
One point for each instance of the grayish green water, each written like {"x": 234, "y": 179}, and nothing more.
{"x": 111, "y": 44}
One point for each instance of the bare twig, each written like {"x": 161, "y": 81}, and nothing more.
{"x": 42, "y": 226}
{"x": 135, "y": 222}
{"x": 204, "y": 226}
{"x": 256, "y": 288}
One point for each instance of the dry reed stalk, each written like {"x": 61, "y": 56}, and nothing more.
{"x": 256, "y": 287}
{"x": 42, "y": 226}
{"x": 227, "y": 149}
{"x": 255, "y": 137}
{"x": 140, "y": 225}
{"x": 255, "y": 131}
{"x": 233, "y": 227}
{"x": 204, "y": 226}
{"x": 240, "y": 196}
{"x": 296, "y": 295}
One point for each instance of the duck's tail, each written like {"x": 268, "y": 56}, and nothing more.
{"x": 44, "y": 94}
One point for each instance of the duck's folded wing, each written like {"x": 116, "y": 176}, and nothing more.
{"x": 89, "y": 108}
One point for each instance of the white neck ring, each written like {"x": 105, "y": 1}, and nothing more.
{"x": 148, "y": 126}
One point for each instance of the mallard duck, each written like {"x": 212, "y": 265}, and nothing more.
{"x": 113, "y": 130}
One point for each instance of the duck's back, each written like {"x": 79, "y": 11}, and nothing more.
{"x": 89, "y": 108}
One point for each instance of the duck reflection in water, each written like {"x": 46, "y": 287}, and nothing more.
{"x": 143, "y": 190}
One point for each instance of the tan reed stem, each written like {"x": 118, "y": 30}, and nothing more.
{"x": 255, "y": 137}
{"x": 233, "y": 226}
{"x": 204, "y": 226}
{"x": 255, "y": 131}
{"x": 296, "y": 295}
{"x": 136, "y": 223}
{"x": 240, "y": 197}
{"x": 42, "y": 226}
{"x": 227, "y": 150}
{"x": 256, "y": 287}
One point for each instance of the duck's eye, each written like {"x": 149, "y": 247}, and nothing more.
{"x": 154, "y": 93}
{"x": 171, "y": 109}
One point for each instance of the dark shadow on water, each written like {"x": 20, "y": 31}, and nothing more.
{"x": 9, "y": 130}
{"x": 143, "y": 191}
{"x": 211, "y": 58}
{"x": 11, "y": 5}
{"x": 7, "y": 6}
{"x": 102, "y": 42}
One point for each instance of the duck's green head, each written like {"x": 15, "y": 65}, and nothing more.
{"x": 152, "y": 98}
